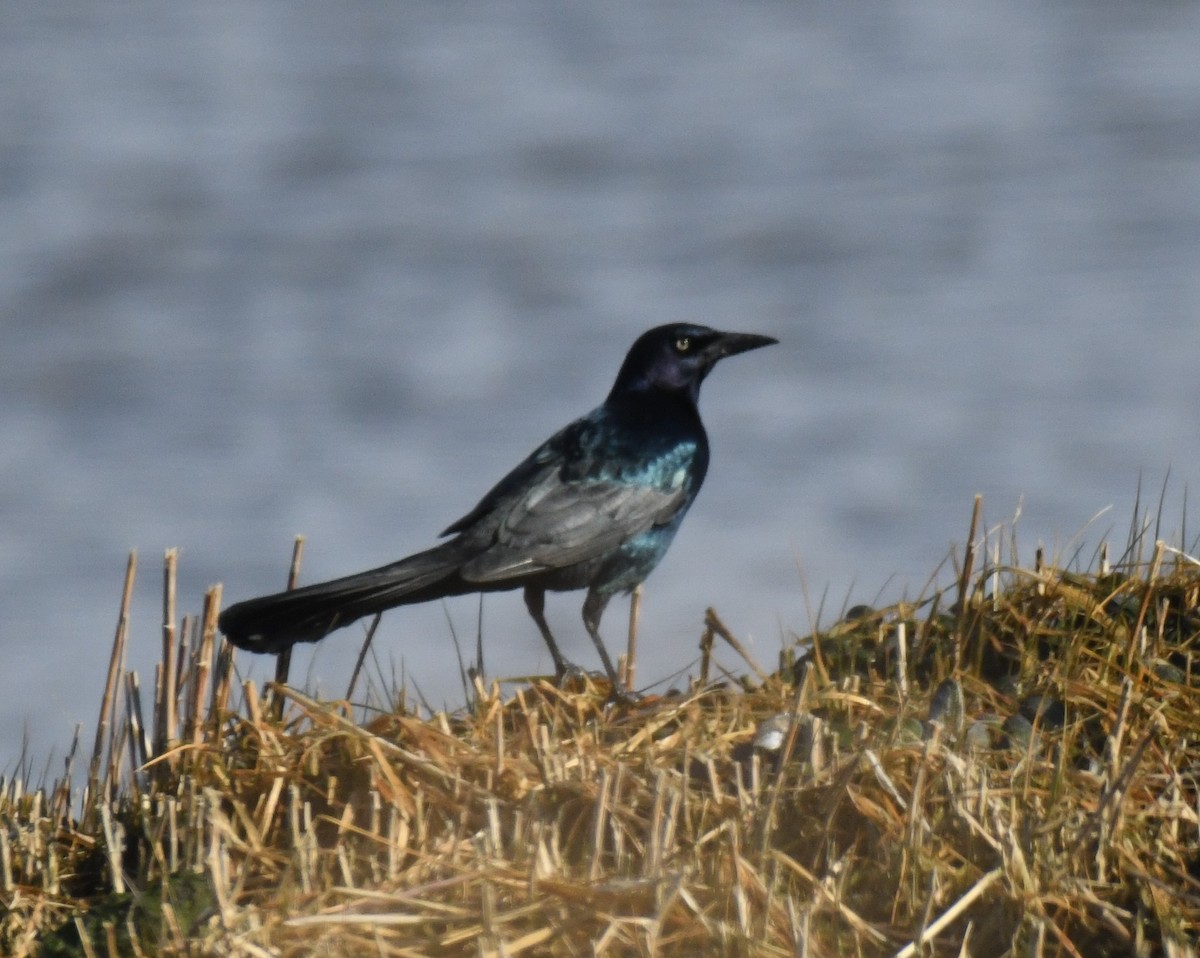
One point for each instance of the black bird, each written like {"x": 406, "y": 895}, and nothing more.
{"x": 595, "y": 506}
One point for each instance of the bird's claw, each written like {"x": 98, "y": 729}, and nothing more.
{"x": 623, "y": 696}
{"x": 568, "y": 675}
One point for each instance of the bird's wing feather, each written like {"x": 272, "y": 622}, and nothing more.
{"x": 555, "y": 524}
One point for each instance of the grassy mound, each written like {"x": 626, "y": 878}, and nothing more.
{"x": 1006, "y": 767}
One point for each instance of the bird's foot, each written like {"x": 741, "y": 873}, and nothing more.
{"x": 565, "y": 672}
{"x": 575, "y": 678}
{"x": 623, "y": 696}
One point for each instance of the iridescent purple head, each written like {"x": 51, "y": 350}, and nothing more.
{"x": 676, "y": 358}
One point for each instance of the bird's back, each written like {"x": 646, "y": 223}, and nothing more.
{"x": 610, "y": 477}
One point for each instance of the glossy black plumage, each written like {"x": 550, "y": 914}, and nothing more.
{"x": 595, "y": 507}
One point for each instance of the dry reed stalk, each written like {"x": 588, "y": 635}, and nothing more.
{"x": 362, "y": 654}
{"x": 964, "y": 579}
{"x": 183, "y": 660}
{"x": 283, "y": 661}
{"x": 202, "y": 666}
{"x": 1136, "y": 634}
{"x": 706, "y": 646}
{"x": 635, "y": 606}
{"x": 108, "y": 704}
{"x": 713, "y": 621}
{"x": 139, "y": 742}
{"x": 166, "y": 731}
{"x": 223, "y": 687}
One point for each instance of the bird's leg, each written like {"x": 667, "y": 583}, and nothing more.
{"x": 535, "y": 602}
{"x": 593, "y": 609}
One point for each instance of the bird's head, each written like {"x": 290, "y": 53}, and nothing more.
{"x": 676, "y": 358}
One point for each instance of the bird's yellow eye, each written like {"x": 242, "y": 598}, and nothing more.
{"x": 683, "y": 344}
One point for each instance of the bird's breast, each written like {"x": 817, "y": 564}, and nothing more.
{"x": 669, "y": 468}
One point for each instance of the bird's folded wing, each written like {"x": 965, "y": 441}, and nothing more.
{"x": 557, "y": 524}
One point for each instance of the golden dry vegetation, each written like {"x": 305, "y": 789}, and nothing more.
{"x": 1008, "y": 766}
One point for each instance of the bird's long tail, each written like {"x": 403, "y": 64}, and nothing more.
{"x": 273, "y": 623}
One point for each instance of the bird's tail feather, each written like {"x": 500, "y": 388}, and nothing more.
{"x": 272, "y": 623}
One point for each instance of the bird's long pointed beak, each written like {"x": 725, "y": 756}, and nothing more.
{"x": 729, "y": 344}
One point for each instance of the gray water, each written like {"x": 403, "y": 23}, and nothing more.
{"x": 272, "y": 268}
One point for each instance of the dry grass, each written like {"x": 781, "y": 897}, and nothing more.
{"x": 1051, "y": 808}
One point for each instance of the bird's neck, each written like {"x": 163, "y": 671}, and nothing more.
{"x": 654, "y": 392}
{"x": 672, "y": 410}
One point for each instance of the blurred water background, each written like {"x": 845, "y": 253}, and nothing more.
{"x": 271, "y": 268}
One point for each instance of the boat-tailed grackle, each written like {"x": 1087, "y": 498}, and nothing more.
{"x": 594, "y": 507}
